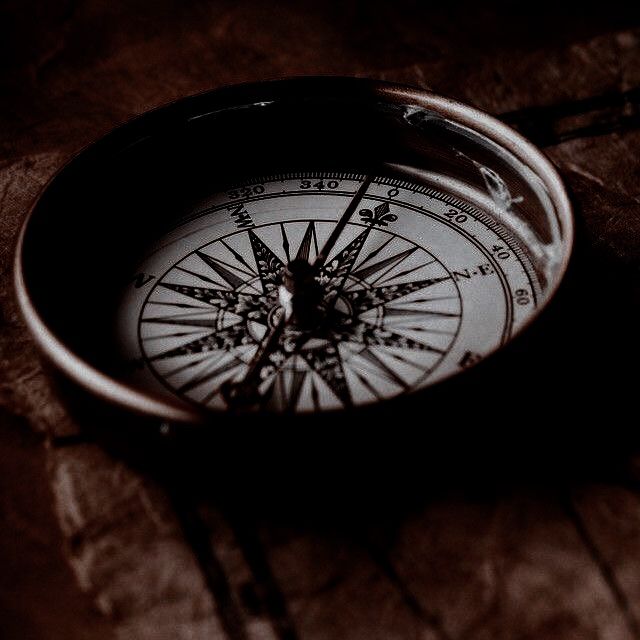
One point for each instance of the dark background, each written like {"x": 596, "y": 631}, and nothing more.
{"x": 92, "y": 548}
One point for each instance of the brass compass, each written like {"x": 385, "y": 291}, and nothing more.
{"x": 308, "y": 247}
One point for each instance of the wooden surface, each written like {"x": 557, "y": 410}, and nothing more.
{"x": 93, "y": 548}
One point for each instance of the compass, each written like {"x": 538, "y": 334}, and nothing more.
{"x": 299, "y": 248}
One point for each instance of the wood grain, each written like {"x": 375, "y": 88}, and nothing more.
{"x": 96, "y": 548}
{"x": 509, "y": 569}
{"x": 126, "y": 548}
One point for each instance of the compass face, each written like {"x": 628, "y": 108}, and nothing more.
{"x": 419, "y": 286}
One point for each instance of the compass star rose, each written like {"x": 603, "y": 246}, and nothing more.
{"x": 365, "y": 335}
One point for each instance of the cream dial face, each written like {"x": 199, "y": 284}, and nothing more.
{"x": 419, "y": 286}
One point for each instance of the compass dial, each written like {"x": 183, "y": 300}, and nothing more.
{"x": 419, "y": 286}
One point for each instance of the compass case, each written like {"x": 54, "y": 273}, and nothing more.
{"x": 83, "y": 237}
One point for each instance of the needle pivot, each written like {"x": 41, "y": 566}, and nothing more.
{"x": 300, "y": 294}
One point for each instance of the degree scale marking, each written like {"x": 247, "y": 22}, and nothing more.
{"x": 466, "y": 207}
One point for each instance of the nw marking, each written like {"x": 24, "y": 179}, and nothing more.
{"x": 241, "y": 216}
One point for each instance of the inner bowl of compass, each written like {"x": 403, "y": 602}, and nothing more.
{"x": 86, "y": 234}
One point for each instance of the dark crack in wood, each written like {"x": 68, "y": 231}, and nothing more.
{"x": 266, "y": 586}
{"x": 198, "y": 538}
{"x": 70, "y": 440}
{"x": 594, "y": 116}
{"x": 426, "y": 617}
{"x": 607, "y": 573}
